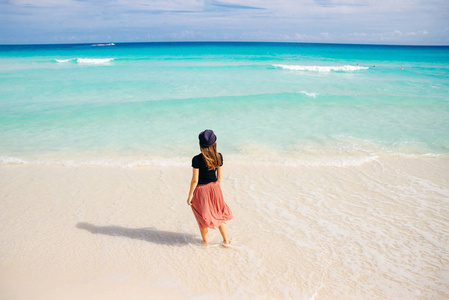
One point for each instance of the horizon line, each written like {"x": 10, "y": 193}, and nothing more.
{"x": 236, "y": 42}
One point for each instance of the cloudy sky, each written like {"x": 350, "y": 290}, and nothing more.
{"x": 416, "y": 22}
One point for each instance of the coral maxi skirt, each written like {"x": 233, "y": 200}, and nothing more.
{"x": 209, "y": 207}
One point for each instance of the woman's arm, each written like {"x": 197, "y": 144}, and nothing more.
{"x": 218, "y": 174}
{"x": 193, "y": 185}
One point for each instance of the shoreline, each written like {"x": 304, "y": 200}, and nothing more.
{"x": 368, "y": 231}
{"x": 264, "y": 158}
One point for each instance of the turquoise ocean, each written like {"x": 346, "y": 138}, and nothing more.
{"x": 274, "y": 103}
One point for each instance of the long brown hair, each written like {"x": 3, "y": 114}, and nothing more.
{"x": 211, "y": 156}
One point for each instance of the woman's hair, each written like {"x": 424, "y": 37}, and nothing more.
{"x": 211, "y": 156}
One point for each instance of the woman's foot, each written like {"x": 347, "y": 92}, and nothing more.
{"x": 226, "y": 244}
{"x": 224, "y": 234}
{"x": 204, "y": 236}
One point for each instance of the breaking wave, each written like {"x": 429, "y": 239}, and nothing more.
{"x": 94, "y": 61}
{"x": 91, "y": 61}
{"x": 64, "y": 60}
{"x": 313, "y": 94}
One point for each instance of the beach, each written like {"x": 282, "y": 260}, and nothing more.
{"x": 375, "y": 231}
{"x": 336, "y": 164}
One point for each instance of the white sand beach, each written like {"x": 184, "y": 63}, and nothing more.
{"x": 375, "y": 231}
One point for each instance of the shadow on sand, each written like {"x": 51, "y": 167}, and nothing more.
{"x": 145, "y": 234}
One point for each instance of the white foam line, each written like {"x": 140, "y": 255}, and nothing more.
{"x": 9, "y": 160}
{"x": 94, "y": 61}
{"x": 64, "y": 60}
{"x": 346, "y": 68}
{"x": 168, "y": 163}
{"x": 309, "y": 94}
{"x": 90, "y": 61}
{"x": 345, "y": 161}
{"x": 336, "y": 162}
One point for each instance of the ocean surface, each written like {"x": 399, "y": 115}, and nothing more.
{"x": 270, "y": 103}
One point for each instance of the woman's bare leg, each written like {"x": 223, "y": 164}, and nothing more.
{"x": 223, "y": 232}
{"x": 204, "y": 235}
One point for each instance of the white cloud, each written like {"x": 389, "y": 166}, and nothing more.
{"x": 42, "y": 3}
{"x": 419, "y": 32}
{"x": 386, "y": 37}
{"x": 376, "y": 21}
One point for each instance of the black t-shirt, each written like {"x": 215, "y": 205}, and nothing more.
{"x": 206, "y": 176}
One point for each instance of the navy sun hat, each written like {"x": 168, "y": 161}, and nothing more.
{"x": 207, "y": 138}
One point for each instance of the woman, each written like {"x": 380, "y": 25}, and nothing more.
{"x": 205, "y": 196}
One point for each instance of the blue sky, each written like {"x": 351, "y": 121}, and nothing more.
{"x": 408, "y": 22}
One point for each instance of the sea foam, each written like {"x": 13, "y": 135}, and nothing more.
{"x": 10, "y": 160}
{"x": 91, "y": 61}
{"x": 94, "y": 61}
{"x": 64, "y": 60}
{"x": 346, "y": 68}
{"x": 313, "y": 95}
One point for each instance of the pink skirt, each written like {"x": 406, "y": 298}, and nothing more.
{"x": 209, "y": 207}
